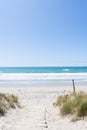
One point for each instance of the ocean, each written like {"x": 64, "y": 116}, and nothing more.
{"x": 58, "y": 75}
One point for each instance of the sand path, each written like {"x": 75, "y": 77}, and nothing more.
{"x": 34, "y": 114}
{"x": 37, "y": 112}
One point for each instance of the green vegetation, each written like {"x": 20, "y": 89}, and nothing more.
{"x": 8, "y": 101}
{"x": 74, "y": 104}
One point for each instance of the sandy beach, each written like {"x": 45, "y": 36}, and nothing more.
{"x": 43, "y": 65}
{"x": 37, "y": 112}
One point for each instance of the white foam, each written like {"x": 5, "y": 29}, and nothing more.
{"x": 42, "y": 76}
{"x": 65, "y": 70}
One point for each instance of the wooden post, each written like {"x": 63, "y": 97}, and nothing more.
{"x": 73, "y": 86}
{"x": 45, "y": 119}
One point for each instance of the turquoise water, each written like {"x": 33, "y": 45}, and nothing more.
{"x": 43, "y": 69}
{"x": 51, "y": 75}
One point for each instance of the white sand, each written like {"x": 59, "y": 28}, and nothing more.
{"x": 37, "y": 111}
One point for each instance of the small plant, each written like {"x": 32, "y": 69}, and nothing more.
{"x": 66, "y": 108}
{"x": 2, "y": 108}
{"x": 61, "y": 100}
{"x": 14, "y": 98}
{"x": 82, "y": 110}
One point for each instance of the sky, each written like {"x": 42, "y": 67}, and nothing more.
{"x": 43, "y": 33}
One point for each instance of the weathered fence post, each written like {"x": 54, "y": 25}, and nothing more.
{"x": 73, "y": 86}
{"x": 45, "y": 119}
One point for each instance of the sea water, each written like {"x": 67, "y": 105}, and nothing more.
{"x": 60, "y": 75}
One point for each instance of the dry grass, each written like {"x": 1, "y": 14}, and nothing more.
{"x": 74, "y": 104}
{"x": 7, "y": 102}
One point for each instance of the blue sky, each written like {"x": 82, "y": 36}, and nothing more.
{"x": 43, "y": 33}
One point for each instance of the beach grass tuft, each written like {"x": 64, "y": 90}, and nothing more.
{"x": 7, "y": 101}
{"x": 74, "y": 104}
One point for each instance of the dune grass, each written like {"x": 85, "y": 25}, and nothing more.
{"x": 7, "y": 102}
{"x": 74, "y": 104}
